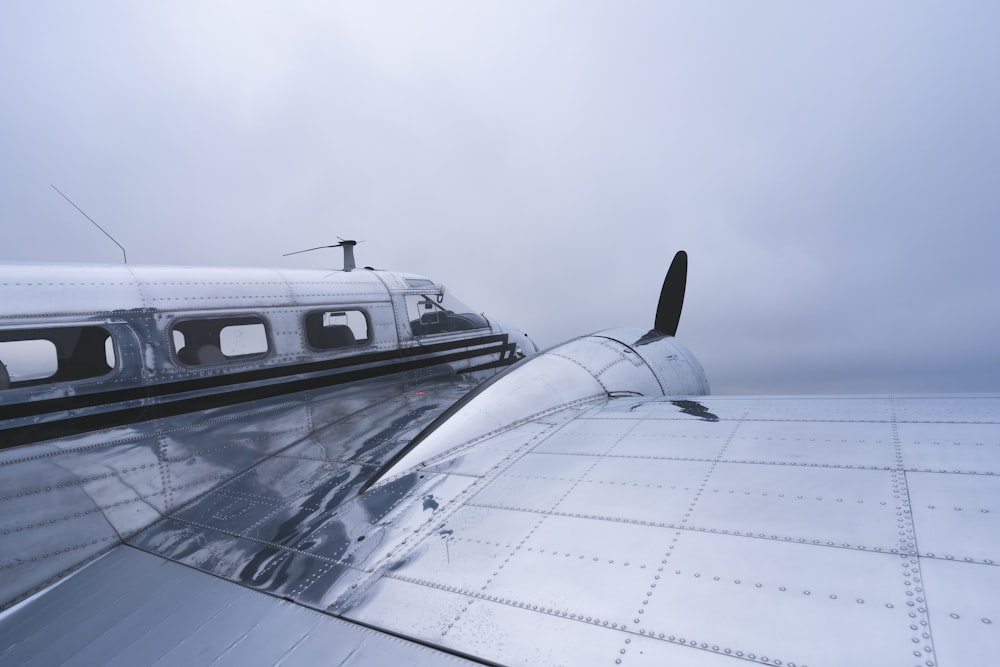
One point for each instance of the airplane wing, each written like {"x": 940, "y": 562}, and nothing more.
{"x": 805, "y": 531}
{"x": 794, "y": 531}
{"x": 558, "y": 514}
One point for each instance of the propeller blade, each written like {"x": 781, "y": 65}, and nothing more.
{"x": 668, "y": 310}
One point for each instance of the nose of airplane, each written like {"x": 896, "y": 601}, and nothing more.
{"x": 525, "y": 346}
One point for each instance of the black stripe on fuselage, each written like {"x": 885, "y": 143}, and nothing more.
{"x": 349, "y": 369}
{"x": 216, "y": 381}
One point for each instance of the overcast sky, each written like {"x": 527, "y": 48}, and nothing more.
{"x": 833, "y": 169}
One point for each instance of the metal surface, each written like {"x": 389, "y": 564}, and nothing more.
{"x": 61, "y": 505}
{"x": 577, "y": 373}
{"x": 589, "y": 505}
{"x": 88, "y": 459}
{"x": 700, "y": 531}
{"x": 646, "y": 534}
{"x": 129, "y": 608}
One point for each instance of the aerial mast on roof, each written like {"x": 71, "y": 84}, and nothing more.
{"x": 94, "y": 222}
{"x": 348, "y": 246}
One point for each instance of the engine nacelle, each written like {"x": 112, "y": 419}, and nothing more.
{"x": 612, "y": 363}
{"x": 676, "y": 369}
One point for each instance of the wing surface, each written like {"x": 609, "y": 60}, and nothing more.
{"x": 131, "y": 608}
{"x": 806, "y": 531}
{"x": 699, "y": 531}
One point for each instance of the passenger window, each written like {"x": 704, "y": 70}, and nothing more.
{"x": 332, "y": 329}
{"x": 28, "y": 360}
{"x": 220, "y": 339}
{"x": 240, "y": 340}
{"x": 34, "y": 356}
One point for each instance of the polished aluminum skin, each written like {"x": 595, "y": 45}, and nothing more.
{"x": 573, "y": 374}
{"x": 166, "y": 613}
{"x": 143, "y": 305}
{"x": 69, "y": 492}
{"x": 683, "y": 529}
{"x": 588, "y": 505}
{"x": 806, "y": 531}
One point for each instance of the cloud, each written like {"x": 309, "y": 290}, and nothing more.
{"x": 829, "y": 168}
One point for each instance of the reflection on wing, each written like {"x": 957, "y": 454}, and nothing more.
{"x": 165, "y": 613}
{"x": 802, "y": 530}
{"x": 806, "y": 531}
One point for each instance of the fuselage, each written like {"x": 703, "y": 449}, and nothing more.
{"x": 128, "y": 393}
{"x": 87, "y": 347}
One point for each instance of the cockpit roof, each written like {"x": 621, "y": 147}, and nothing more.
{"x": 37, "y": 289}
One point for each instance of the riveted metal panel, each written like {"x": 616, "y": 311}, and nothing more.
{"x": 330, "y": 287}
{"x": 492, "y": 453}
{"x": 965, "y": 613}
{"x": 517, "y": 635}
{"x": 803, "y": 553}
{"x": 814, "y": 443}
{"x": 415, "y": 518}
{"x": 956, "y": 516}
{"x": 131, "y": 608}
{"x": 466, "y": 551}
{"x": 525, "y": 636}
{"x": 598, "y": 589}
{"x": 543, "y": 384}
{"x": 671, "y": 408}
{"x": 691, "y": 529}
{"x": 814, "y": 505}
{"x": 767, "y": 614}
{"x": 933, "y": 447}
{"x": 428, "y": 611}
{"x": 947, "y": 409}
{"x": 615, "y": 365}
{"x": 638, "y": 490}
{"x": 525, "y": 493}
{"x": 688, "y": 439}
{"x": 35, "y": 553}
{"x": 583, "y": 436}
{"x": 603, "y": 541}
{"x": 32, "y": 290}
{"x": 173, "y": 288}
{"x": 663, "y": 649}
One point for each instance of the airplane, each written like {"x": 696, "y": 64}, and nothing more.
{"x": 259, "y": 467}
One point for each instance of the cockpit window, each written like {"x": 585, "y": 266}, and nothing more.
{"x": 35, "y": 356}
{"x": 436, "y": 313}
{"x": 333, "y": 329}
{"x": 219, "y": 339}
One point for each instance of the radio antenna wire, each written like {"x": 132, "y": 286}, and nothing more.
{"x": 104, "y": 231}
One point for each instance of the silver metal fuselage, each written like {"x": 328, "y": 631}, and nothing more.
{"x": 88, "y": 461}
{"x": 102, "y": 448}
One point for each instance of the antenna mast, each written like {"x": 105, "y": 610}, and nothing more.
{"x": 348, "y": 246}
{"x": 124, "y": 257}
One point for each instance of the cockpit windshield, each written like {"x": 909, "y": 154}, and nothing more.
{"x": 437, "y": 313}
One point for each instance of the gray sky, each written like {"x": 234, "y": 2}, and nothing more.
{"x": 833, "y": 169}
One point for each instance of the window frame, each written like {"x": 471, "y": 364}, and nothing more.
{"x": 336, "y": 309}
{"x": 233, "y": 319}
{"x": 437, "y": 302}
{"x": 64, "y": 361}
